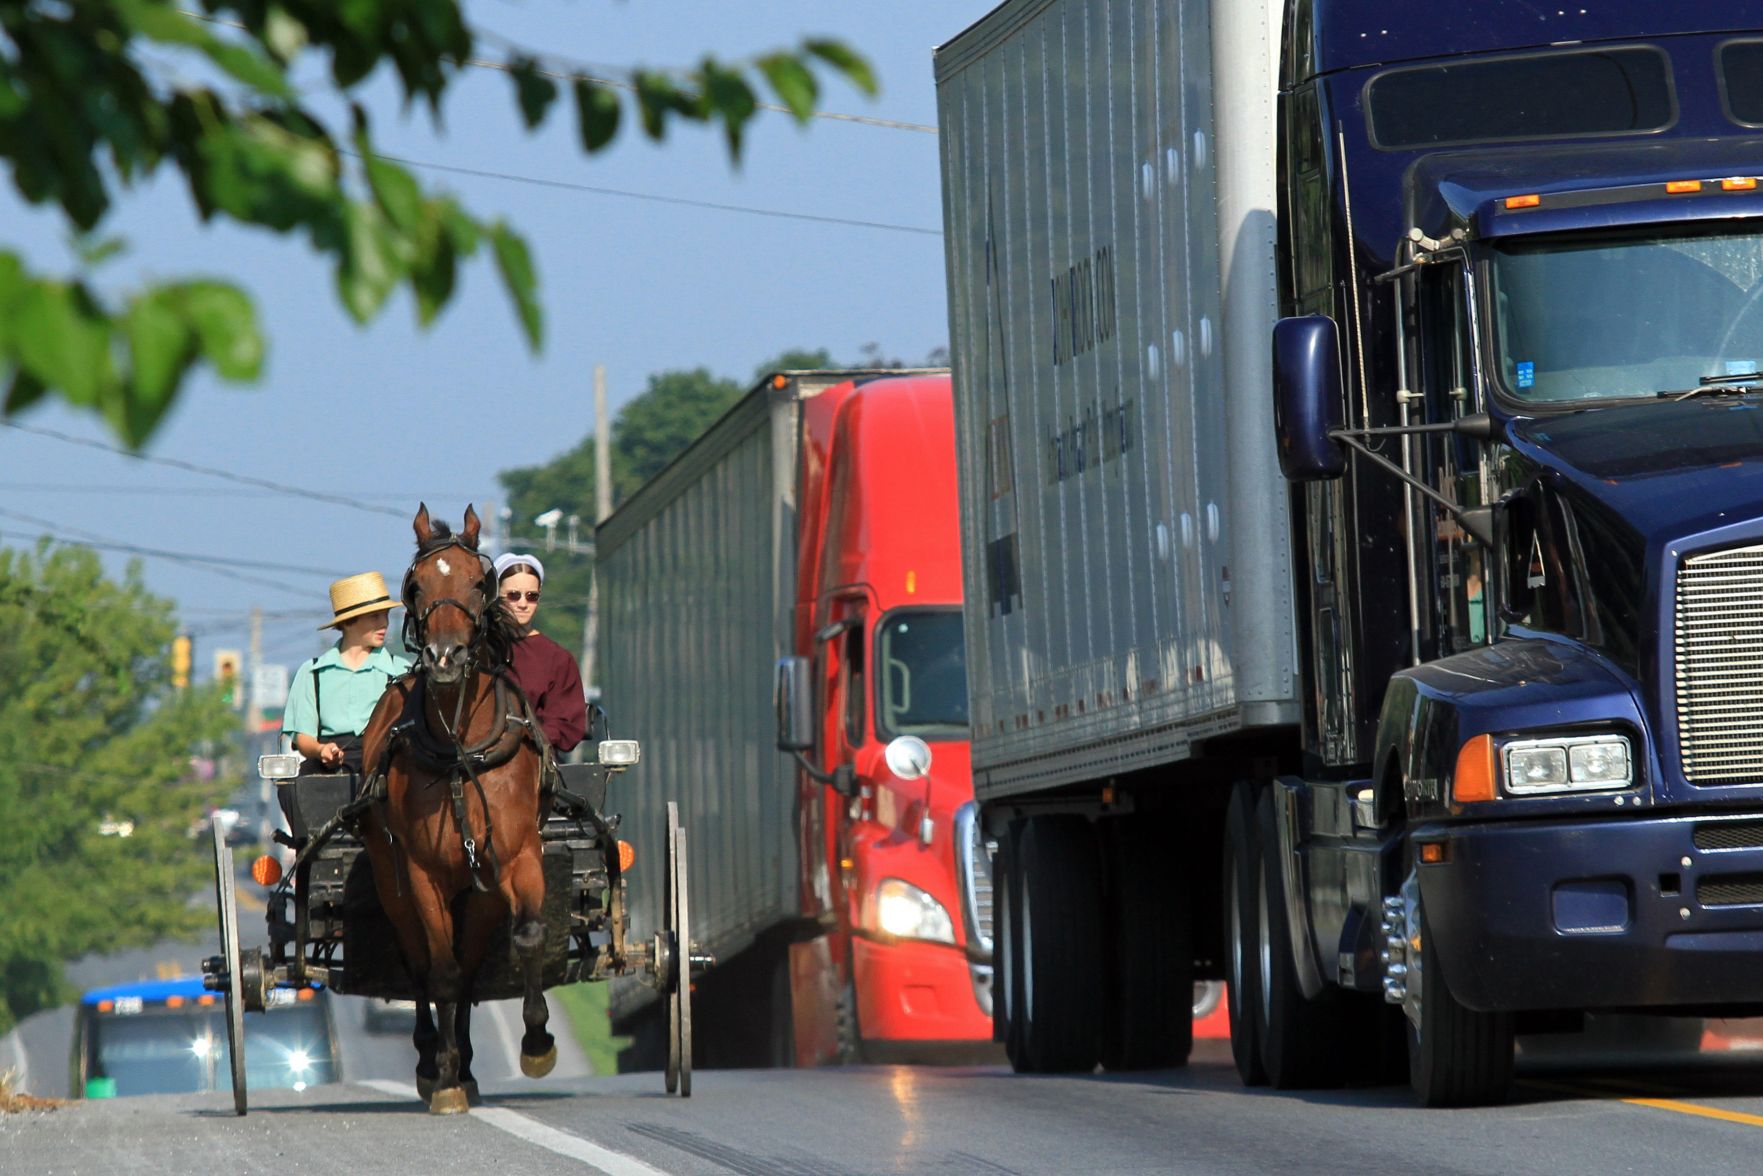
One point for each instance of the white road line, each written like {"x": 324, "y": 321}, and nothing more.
{"x": 21, "y": 1073}
{"x": 499, "y": 1014}
{"x": 612, "y": 1163}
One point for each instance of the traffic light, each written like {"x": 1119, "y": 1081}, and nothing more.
{"x": 226, "y": 673}
{"x": 181, "y": 649}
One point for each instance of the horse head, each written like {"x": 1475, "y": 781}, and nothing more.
{"x": 449, "y": 597}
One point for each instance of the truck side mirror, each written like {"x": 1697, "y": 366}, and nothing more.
{"x": 795, "y": 704}
{"x": 1307, "y": 398}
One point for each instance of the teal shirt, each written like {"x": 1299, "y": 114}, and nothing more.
{"x": 327, "y": 698}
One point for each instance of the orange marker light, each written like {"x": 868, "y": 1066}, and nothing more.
{"x": 105, "y": 1006}
{"x": 1528, "y": 201}
{"x": 780, "y": 381}
{"x": 1474, "y": 779}
{"x": 1739, "y": 183}
{"x": 205, "y": 1000}
{"x": 1680, "y": 187}
{"x": 1433, "y": 852}
{"x": 266, "y": 871}
{"x": 174, "y": 1002}
{"x": 305, "y": 994}
{"x": 911, "y": 583}
{"x": 627, "y": 855}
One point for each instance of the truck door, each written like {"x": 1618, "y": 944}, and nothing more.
{"x": 845, "y": 718}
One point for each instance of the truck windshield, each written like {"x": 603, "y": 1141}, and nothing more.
{"x": 1630, "y": 316}
{"x": 165, "y": 1050}
{"x": 921, "y": 664}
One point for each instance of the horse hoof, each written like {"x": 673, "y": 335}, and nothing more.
{"x": 451, "y": 1101}
{"x": 425, "y": 1087}
{"x": 540, "y": 1065}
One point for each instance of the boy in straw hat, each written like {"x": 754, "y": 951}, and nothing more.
{"x": 333, "y": 695}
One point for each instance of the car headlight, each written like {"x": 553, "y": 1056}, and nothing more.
{"x": 1567, "y": 764}
{"x": 298, "y": 1061}
{"x": 904, "y": 911}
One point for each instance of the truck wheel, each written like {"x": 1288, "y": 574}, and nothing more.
{"x": 1060, "y": 946}
{"x": 1242, "y": 867}
{"x": 1457, "y": 1057}
{"x": 1150, "y": 1022}
{"x": 1007, "y": 984}
{"x": 1300, "y": 1039}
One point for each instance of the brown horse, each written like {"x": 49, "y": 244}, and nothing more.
{"x": 455, "y": 842}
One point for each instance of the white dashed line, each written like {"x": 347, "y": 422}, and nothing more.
{"x": 574, "y": 1147}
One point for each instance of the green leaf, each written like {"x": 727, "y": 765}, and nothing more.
{"x": 461, "y": 229}
{"x": 792, "y": 82}
{"x": 535, "y": 91}
{"x": 171, "y": 26}
{"x": 256, "y": 71}
{"x": 516, "y": 266}
{"x": 95, "y": 251}
{"x": 24, "y": 391}
{"x": 61, "y": 341}
{"x": 597, "y": 109}
{"x": 847, "y": 61}
{"x": 396, "y": 190}
{"x": 226, "y": 327}
{"x": 162, "y": 346}
{"x": 727, "y": 95}
{"x": 283, "y": 35}
{"x": 658, "y": 96}
{"x": 370, "y": 267}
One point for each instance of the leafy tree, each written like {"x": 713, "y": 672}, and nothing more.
{"x": 91, "y": 731}
{"x": 92, "y": 104}
{"x": 795, "y": 359}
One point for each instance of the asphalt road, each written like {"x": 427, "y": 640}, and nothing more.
{"x": 1706, "y": 1116}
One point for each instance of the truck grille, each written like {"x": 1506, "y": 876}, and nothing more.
{"x": 1720, "y": 665}
{"x": 1731, "y": 890}
{"x": 973, "y": 866}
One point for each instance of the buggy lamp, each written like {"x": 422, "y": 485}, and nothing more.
{"x": 266, "y": 870}
{"x": 280, "y": 766}
{"x": 1575, "y": 764}
{"x": 619, "y": 753}
{"x": 904, "y": 911}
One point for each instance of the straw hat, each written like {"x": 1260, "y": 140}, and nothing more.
{"x": 356, "y": 596}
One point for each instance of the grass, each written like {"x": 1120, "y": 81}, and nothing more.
{"x": 13, "y": 1101}
{"x": 584, "y": 1005}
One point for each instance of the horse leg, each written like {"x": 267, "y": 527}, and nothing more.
{"x": 466, "y": 1080}
{"x": 445, "y": 986}
{"x": 525, "y": 889}
{"x": 425, "y": 1038}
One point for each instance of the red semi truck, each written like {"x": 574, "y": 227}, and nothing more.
{"x": 804, "y": 553}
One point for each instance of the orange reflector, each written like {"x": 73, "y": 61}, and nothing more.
{"x": 104, "y": 1006}
{"x": 206, "y": 999}
{"x": 174, "y": 1002}
{"x": 1679, "y": 187}
{"x": 1529, "y": 201}
{"x": 911, "y": 583}
{"x": 266, "y": 871}
{"x": 627, "y": 855}
{"x": 1434, "y": 852}
{"x": 1475, "y": 771}
{"x": 779, "y": 381}
{"x": 1739, "y": 183}
{"x": 305, "y": 994}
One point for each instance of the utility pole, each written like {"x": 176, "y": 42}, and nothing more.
{"x": 602, "y": 508}
{"x": 249, "y": 686}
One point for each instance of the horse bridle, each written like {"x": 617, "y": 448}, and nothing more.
{"x": 416, "y": 623}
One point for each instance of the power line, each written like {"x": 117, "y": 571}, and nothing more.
{"x": 186, "y": 556}
{"x": 199, "y": 491}
{"x": 199, "y": 563}
{"x": 653, "y": 197}
{"x": 212, "y": 472}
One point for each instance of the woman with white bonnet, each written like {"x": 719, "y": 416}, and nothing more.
{"x": 333, "y": 695}
{"x": 543, "y": 669}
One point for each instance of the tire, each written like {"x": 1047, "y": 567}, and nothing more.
{"x": 1242, "y": 866}
{"x": 1150, "y": 1021}
{"x": 1060, "y": 948}
{"x": 1302, "y": 1042}
{"x": 1007, "y": 983}
{"x": 1457, "y": 1057}
{"x": 781, "y": 1022}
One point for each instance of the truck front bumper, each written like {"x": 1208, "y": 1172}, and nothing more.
{"x": 915, "y": 992}
{"x": 1623, "y": 913}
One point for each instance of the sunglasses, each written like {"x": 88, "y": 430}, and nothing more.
{"x": 514, "y": 597}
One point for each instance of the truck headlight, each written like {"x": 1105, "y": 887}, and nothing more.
{"x": 904, "y": 911}
{"x": 1567, "y": 764}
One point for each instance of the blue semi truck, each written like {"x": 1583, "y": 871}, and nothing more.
{"x": 1360, "y": 416}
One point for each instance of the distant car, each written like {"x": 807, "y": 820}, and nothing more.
{"x": 169, "y": 1036}
{"x": 389, "y": 1016}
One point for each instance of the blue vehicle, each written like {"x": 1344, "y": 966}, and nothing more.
{"x": 169, "y": 1036}
{"x": 1449, "y": 734}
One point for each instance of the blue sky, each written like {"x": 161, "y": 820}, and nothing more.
{"x": 390, "y": 414}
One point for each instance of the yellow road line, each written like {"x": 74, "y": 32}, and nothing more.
{"x": 1660, "y": 1104}
{"x": 1684, "y": 1108}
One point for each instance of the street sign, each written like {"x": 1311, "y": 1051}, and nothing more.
{"x": 269, "y": 687}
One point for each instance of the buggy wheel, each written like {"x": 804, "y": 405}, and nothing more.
{"x": 226, "y": 896}
{"x": 679, "y": 1000}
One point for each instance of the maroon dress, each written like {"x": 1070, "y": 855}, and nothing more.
{"x": 552, "y": 682}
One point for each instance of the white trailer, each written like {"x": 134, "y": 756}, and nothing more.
{"x": 1108, "y": 196}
